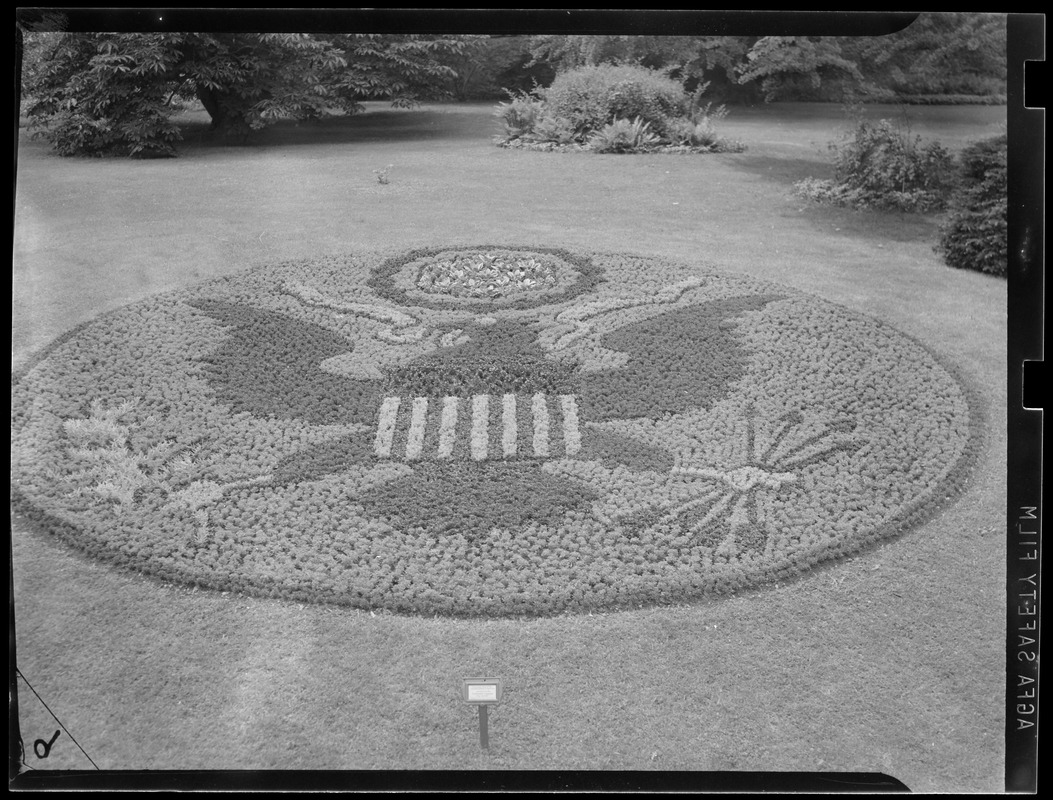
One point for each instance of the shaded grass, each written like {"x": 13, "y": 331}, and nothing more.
{"x": 891, "y": 661}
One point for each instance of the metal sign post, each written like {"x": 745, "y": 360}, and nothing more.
{"x": 482, "y": 692}
{"x": 484, "y": 731}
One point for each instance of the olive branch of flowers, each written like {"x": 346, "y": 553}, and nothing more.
{"x": 104, "y": 464}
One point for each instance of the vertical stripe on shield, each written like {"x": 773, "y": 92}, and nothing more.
{"x": 419, "y": 418}
{"x": 447, "y": 427}
{"x": 480, "y": 426}
{"x": 540, "y": 412}
{"x": 571, "y": 437}
{"x": 389, "y": 410}
{"x": 509, "y": 433}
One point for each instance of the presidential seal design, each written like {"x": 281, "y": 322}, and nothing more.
{"x": 486, "y": 430}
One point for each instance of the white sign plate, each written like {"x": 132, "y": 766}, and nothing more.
{"x": 482, "y": 690}
{"x": 482, "y": 693}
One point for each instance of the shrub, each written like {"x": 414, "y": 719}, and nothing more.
{"x": 593, "y": 106}
{"x": 881, "y": 166}
{"x": 591, "y": 97}
{"x": 519, "y": 115}
{"x": 553, "y": 129}
{"x": 697, "y": 129}
{"x": 623, "y": 136}
{"x": 974, "y": 236}
{"x": 888, "y": 169}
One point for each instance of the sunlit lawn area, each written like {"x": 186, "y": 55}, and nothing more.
{"x": 891, "y": 661}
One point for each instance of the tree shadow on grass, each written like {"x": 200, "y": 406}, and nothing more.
{"x": 380, "y": 126}
{"x": 880, "y": 226}
{"x": 786, "y": 170}
{"x": 895, "y": 226}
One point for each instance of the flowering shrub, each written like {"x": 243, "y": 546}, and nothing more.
{"x": 362, "y": 431}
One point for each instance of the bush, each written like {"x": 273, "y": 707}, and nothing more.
{"x": 975, "y": 235}
{"x": 883, "y": 167}
{"x": 623, "y": 136}
{"x": 553, "y": 129}
{"x": 613, "y": 109}
{"x": 889, "y": 169}
{"x": 519, "y": 115}
{"x": 698, "y": 128}
{"x": 591, "y": 97}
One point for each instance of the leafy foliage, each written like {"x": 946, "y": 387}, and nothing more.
{"x": 489, "y": 67}
{"x": 698, "y": 129}
{"x": 404, "y": 68}
{"x": 109, "y": 93}
{"x": 623, "y": 136}
{"x": 946, "y": 53}
{"x": 519, "y": 115}
{"x": 613, "y": 109}
{"x": 774, "y": 59}
{"x": 102, "y": 93}
{"x": 591, "y": 97}
{"x": 246, "y": 81}
{"x": 881, "y": 166}
{"x": 553, "y": 129}
{"x": 693, "y": 60}
{"x": 975, "y": 235}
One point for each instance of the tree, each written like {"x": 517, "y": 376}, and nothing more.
{"x": 711, "y": 62}
{"x": 945, "y": 53}
{"x": 112, "y": 93}
{"x": 490, "y": 67}
{"x": 782, "y": 62}
{"x": 939, "y": 54}
{"x": 91, "y": 94}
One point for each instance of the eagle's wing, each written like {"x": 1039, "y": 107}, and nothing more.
{"x": 269, "y": 365}
{"x": 685, "y": 358}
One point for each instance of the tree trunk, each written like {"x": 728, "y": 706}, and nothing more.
{"x": 227, "y": 119}
{"x": 210, "y": 100}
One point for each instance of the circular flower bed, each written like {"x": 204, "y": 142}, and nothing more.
{"x": 570, "y": 432}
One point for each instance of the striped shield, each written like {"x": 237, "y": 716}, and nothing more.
{"x": 480, "y": 427}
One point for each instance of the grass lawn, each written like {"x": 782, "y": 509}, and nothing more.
{"x": 891, "y": 661}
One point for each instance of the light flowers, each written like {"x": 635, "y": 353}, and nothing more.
{"x": 486, "y": 275}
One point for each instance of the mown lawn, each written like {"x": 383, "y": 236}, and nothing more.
{"x": 892, "y": 661}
